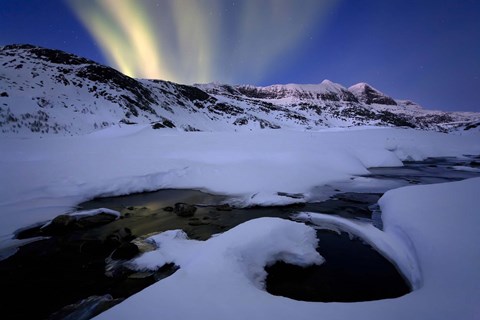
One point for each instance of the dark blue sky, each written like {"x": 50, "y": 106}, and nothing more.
{"x": 425, "y": 51}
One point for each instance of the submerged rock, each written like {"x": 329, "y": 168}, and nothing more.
{"x": 118, "y": 237}
{"x": 144, "y": 245}
{"x": 184, "y": 209}
{"x": 224, "y": 207}
{"x": 125, "y": 251}
{"x": 94, "y": 220}
{"x": 29, "y": 232}
{"x": 65, "y": 223}
{"x": 198, "y": 223}
{"x": 59, "y": 225}
{"x": 115, "y": 264}
{"x": 291, "y": 195}
{"x": 92, "y": 248}
{"x": 475, "y": 164}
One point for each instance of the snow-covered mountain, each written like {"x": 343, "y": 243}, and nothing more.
{"x": 47, "y": 91}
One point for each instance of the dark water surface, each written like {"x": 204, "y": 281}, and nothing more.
{"x": 47, "y": 275}
{"x": 352, "y": 271}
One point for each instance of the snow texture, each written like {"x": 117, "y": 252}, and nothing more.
{"x": 430, "y": 232}
{"x": 232, "y": 255}
{"x": 42, "y": 178}
{"x": 436, "y": 240}
{"x": 93, "y": 212}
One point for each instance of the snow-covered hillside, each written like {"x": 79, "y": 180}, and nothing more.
{"x": 44, "y": 91}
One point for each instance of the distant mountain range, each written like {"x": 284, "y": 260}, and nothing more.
{"x": 45, "y": 91}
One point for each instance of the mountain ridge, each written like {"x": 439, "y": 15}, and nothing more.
{"x": 46, "y": 91}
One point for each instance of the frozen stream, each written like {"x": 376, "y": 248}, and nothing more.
{"x": 51, "y": 273}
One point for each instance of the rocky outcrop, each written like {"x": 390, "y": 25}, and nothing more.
{"x": 66, "y": 223}
{"x": 184, "y": 210}
{"x": 369, "y": 95}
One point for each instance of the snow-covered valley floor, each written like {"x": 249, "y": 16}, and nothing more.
{"x": 430, "y": 232}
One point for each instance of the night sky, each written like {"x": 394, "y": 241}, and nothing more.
{"x": 425, "y": 51}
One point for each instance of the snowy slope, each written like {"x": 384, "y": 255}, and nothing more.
{"x": 44, "y": 91}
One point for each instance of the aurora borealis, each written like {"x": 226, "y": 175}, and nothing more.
{"x": 190, "y": 41}
{"x": 426, "y": 51}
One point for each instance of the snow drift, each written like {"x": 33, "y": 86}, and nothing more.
{"x": 42, "y": 178}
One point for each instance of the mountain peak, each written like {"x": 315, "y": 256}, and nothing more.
{"x": 326, "y": 90}
{"x": 369, "y": 95}
{"x": 325, "y": 86}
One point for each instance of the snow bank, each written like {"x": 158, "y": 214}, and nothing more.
{"x": 239, "y": 254}
{"x": 42, "y": 178}
{"x": 216, "y": 274}
{"x": 397, "y": 250}
{"x": 435, "y": 227}
{"x": 441, "y": 224}
{"x": 93, "y": 212}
